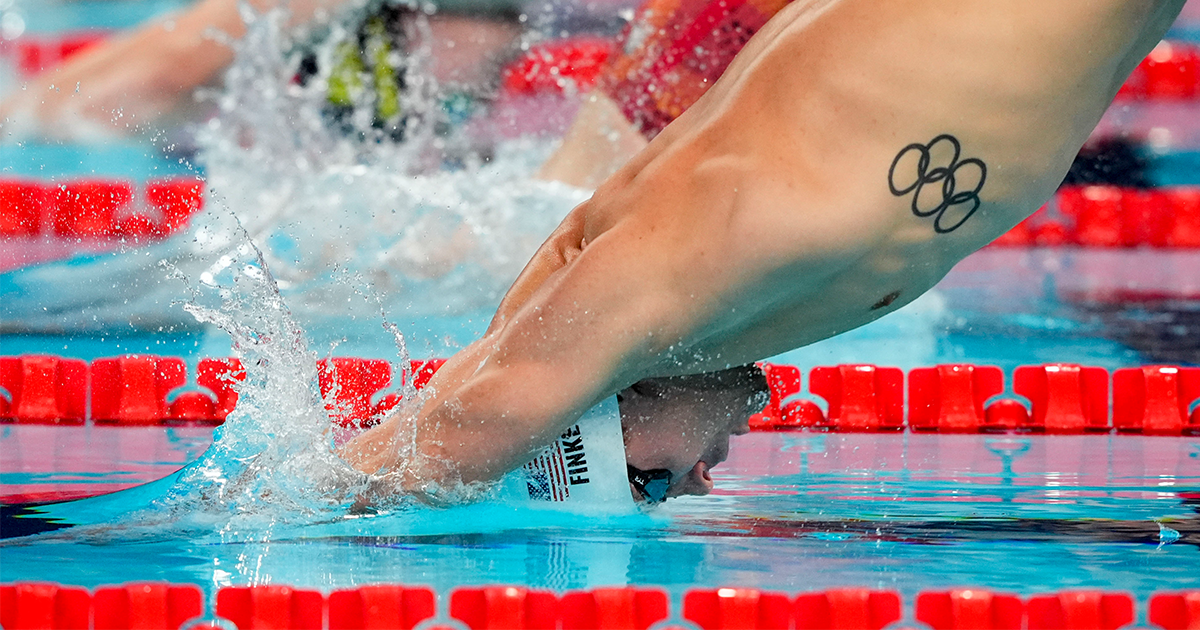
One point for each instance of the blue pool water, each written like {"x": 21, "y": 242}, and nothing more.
{"x": 793, "y": 512}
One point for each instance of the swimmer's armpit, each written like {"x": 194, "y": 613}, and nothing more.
{"x": 942, "y": 185}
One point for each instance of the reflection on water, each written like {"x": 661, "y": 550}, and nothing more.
{"x": 793, "y": 512}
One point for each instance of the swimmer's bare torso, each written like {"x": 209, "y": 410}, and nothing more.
{"x": 851, "y": 155}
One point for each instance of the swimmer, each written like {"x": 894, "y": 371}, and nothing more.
{"x": 145, "y": 76}
{"x": 675, "y": 430}
{"x": 850, "y": 155}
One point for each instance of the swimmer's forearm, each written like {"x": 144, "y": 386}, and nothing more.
{"x": 194, "y": 36}
{"x": 378, "y": 449}
{"x": 578, "y": 337}
{"x": 498, "y": 420}
{"x": 478, "y": 421}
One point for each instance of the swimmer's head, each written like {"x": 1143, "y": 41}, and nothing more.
{"x": 683, "y": 424}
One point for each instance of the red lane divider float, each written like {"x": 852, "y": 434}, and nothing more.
{"x": 133, "y": 390}
{"x": 861, "y": 397}
{"x": 737, "y": 608}
{"x": 43, "y": 390}
{"x": 844, "y": 609}
{"x": 93, "y": 208}
{"x": 148, "y": 390}
{"x": 1155, "y": 400}
{"x": 23, "y": 203}
{"x": 950, "y": 398}
{"x": 175, "y": 199}
{"x": 613, "y": 609}
{"x": 1079, "y": 609}
{"x": 147, "y": 605}
{"x": 509, "y": 607}
{"x": 272, "y": 607}
{"x": 1176, "y": 611}
{"x": 381, "y": 606}
{"x": 557, "y": 66}
{"x": 1109, "y": 216}
{"x": 1051, "y": 398}
{"x": 970, "y": 608}
{"x": 26, "y": 606}
{"x": 36, "y": 605}
{"x": 1066, "y": 398}
{"x": 36, "y": 54}
{"x": 1170, "y": 71}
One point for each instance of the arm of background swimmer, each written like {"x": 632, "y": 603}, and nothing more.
{"x": 143, "y": 72}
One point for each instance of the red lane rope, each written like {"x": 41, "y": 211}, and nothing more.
{"x": 1170, "y": 72}
{"x": 96, "y": 208}
{"x": 1056, "y": 398}
{"x": 29, "y": 605}
{"x": 1111, "y": 217}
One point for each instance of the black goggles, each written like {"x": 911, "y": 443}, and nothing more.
{"x": 651, "y": 484}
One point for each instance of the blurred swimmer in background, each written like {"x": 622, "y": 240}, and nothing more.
{"x": 669, "y": 54}
{"x": 148, "y": 74}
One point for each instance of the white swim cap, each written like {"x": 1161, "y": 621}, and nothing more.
{"x": 584, "y": 467}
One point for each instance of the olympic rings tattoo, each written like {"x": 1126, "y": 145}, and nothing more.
{"x": 947, "y": 176}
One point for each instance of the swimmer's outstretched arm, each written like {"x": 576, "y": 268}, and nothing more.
{"x": 135, "y": 77}
{"x": 848, "y": 159}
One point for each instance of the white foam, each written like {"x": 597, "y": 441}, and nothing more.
{"x": 303, "y": 219}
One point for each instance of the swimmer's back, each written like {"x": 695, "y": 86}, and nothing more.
{"x": 1019, "y": 84}
{"x": 790, "y": 188}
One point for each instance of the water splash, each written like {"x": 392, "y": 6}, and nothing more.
{"x": 1166, "y": 535}
{"x": 430, "y": 239}
{"x": 304, "y": 223}
{"x": 278, "y": 163}
{"x": 438, "y": 225}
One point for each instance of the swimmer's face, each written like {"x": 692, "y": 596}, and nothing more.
{"x": 684, "y": 430}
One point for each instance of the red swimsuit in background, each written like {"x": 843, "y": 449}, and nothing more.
{"x": 673, "y": 51}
